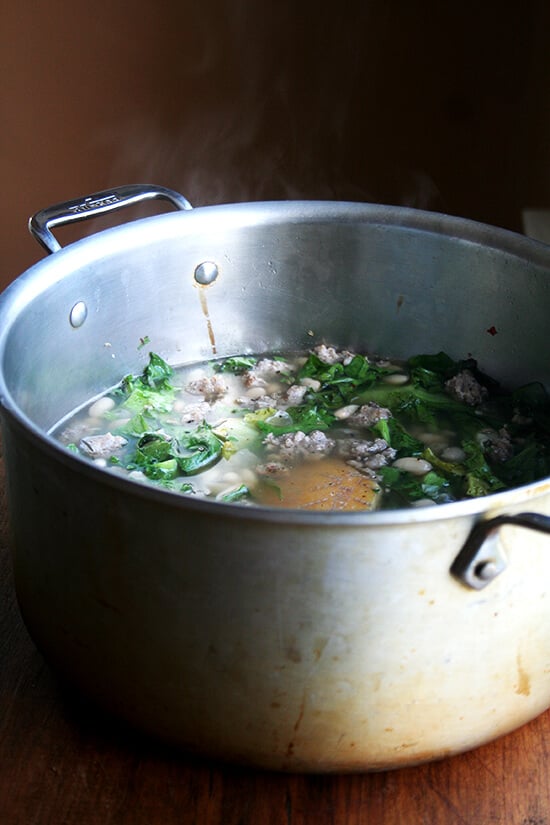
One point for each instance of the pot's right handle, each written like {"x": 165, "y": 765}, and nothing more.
{"x": 106, "y": 201}
{"x": 480, "y": 559}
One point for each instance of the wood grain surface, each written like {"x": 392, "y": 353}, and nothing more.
{"x": 63, "y": 762}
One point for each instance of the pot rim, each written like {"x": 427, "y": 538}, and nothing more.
{"x": 137, "y": 233}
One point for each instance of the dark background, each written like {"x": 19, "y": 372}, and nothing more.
{"x": 428, "y": 104}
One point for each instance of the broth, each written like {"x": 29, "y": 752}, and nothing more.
{"x": 326, "y": 429}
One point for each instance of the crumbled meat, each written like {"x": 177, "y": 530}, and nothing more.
{"x": 211, "y": 387}
{"x": 74, "y": 432}
{"x": 101, "y": 446}
{"x": 498, "y": 445}
{"x": 291, "y": 398}
{"x": 295, "y": 394}
{"x": 291, "y": 446}
{"x": 464, "y": 387}
{"x": 369, "y": 414}
{"x": 367, "y": 456}
{"x": 265, "y": 371}
{"x": 329, "y": 355}
{"x": 194, "y": 413}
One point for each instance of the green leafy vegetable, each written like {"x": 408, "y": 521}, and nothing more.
{"x": 304, "y": 417}
{"x": 236, "y": 364}
{"x": 157, "y": 373}
{"x": 411, "y": 488}
{"x": 198, "y": 449}
{"x": 237, "y": 494}
{"x": 150, "y": 391}
{"x": 398, "y": 437}
{"x": 479, "y": 473}
{"x": 340, "y": 382}
{"x": 159, "y": 456}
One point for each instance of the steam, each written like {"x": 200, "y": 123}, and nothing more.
{"x": 267, "y": 101}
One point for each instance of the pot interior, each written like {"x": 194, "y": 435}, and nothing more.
{"x": 381, "y": 280}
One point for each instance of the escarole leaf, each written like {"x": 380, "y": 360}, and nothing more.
{"x": 160, "y": 456}
{"x": 396, "y": 436}
{"x": 153, "y": 456}
{"x": 236, "y": 494}
{"x": 155, "y": 376}
{"x": 141, "y": 399}
{"x": 139, "y": 424}
{"x": 304, "y": 418}
{"x": 236, "y": 364}
{"x": 413, "y": 488}
{"x": 529, "y": 464}
{"x": 198, "y": 449}
{"x": 151, "y": 390}
{"x": 481, "y": 478}
{"x": 339, "y": 382}
{"x": 448, "y": 468}
{"x": 433, "y": 370}
{"x": 157, "y": 373}
{"x": 237, "y": 434}
{"x": 412, "y": 400}
{"x": 437, "y": 488}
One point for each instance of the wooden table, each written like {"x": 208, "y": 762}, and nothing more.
{"x": 64, "y": 763}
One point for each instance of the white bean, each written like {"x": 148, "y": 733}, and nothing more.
{"x": 101, "y": 406}
{"x": 312, "y": 383}
{"x": 345, "y": 412}
{"x": 137, "y": 475}
{"x": 396, "y": 378}
{"x": 249, "y": 477}
{"x": 415, "y": 466}
{"x": 423, "y": 502}
{"x": 255, "y": 392}
{"x": 436, "y": 441}
{"x": 231, "y": 477}
{"x": 454, "y": 454}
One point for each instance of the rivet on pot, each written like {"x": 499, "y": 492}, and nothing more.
{"x": 206, "y": 273}
{"x": 78, "y": 314}
{"x": 486, "y": 570}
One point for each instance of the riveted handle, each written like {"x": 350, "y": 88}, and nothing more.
{"x": 480, "y": 560}
{"x": 41, "y": 224}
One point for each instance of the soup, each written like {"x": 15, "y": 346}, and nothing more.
{"x": 327, "y": 429}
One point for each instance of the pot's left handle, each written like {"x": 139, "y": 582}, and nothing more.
{"x": 41, "y": 224}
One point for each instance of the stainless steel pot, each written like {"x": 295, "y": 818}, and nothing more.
{"x": 285, "y": 639}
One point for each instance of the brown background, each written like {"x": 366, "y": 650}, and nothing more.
{"x": 437, "y": 105}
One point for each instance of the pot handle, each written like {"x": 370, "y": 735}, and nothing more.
{"x": 106, "y": 201}
{"x": 480, "y": 560}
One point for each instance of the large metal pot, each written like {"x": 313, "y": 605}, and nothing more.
{"x": 290, "y": 640}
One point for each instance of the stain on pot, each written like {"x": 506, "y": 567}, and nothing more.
{"x": 524, "y": 682}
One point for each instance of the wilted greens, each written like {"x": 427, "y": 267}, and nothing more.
{"x": 428, "y": 430}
